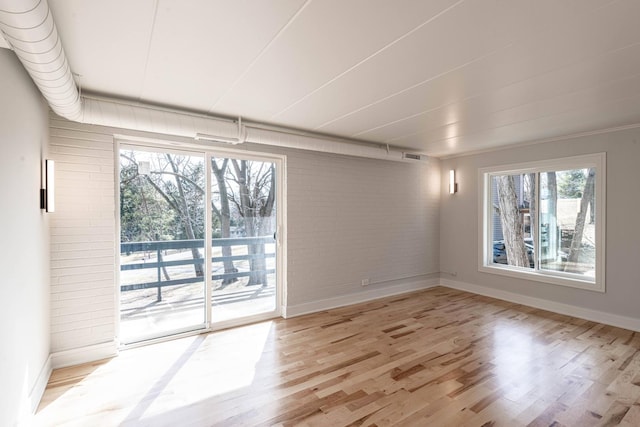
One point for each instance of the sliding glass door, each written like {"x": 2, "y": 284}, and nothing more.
{"x": 171, "y": 203}
{"x": 244, "y": 238}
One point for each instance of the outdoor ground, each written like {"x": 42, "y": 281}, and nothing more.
{"x": 182, "y": 306}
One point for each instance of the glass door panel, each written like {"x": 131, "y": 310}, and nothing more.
{"x": 162, "y": 228}
{"x": 243, "y": 226}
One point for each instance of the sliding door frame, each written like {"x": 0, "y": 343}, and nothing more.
{"x": 178, "y": 145}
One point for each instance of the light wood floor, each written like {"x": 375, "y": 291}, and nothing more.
{"x": 434, "y": 358}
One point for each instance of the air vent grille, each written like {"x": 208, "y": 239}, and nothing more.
{"x": 414, "y": 156}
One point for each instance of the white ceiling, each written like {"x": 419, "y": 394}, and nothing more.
{"x": 438, "y": 77}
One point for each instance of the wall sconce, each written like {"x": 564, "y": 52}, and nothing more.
{"x": 453, "y": 185}
{"x": 47, "y": 194}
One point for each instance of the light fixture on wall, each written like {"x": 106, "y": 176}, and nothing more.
{"x": 47, "y": 194}
{"x": 453, "y": 185}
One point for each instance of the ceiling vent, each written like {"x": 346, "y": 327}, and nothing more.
{"x": 415, "y": 157}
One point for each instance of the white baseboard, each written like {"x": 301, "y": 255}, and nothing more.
{"x": 86, "y": 354}
{"x": 343, "y": 300}
{"x": 624, "y": 322}
{"x": 40, "y": 385}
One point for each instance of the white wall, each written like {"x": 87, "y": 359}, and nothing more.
{"x": 24, "y": 258}
{"x": 352, "y": 219}
{"x": 348, "y": 219}
{"x": 459, "y": 223}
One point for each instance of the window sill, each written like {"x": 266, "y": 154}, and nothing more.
{"x": 595, "y": 286}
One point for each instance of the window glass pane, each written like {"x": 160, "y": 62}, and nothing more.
{"x": 567, "y": 217}
{"x": 162, "y": 220}
{"x": 243, "y": 247}
{"x": 513, "y": 219}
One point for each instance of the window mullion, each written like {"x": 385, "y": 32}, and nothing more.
{"x": 538, "y": 238}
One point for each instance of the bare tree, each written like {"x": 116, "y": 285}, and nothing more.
{"x": 243, "y": 186}
{"x": 511, "y": 220}
{"x": 587, "y": 196}
{"x": 254, "y": 200}
{"x": 185, "y": 214}
{"x": 177, "y": 198}
{"x": 224, "y": 214}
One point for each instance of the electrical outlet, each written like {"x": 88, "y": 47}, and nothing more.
{"x": 365, "y": 282}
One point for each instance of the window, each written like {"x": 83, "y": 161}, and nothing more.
{"x": 545, "y": 221}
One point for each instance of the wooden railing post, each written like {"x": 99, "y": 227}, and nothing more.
{"x": 159, "y": 274}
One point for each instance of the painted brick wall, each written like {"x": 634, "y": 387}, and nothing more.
{"x": 82, "y": 236}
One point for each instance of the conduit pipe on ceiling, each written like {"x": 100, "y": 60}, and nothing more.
{"x": 27, "y": 25}
{"x": 29, "y": 28}
{"x": 258, "y": 135}
{"x": 99, "y": 111}
{"x": 164, "y": 121}
{"x": 123, "y": 115}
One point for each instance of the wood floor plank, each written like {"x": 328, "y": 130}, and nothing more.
{"x": 439, "y": 357}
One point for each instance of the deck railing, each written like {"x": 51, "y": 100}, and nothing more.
{"x": 159, "y": 246}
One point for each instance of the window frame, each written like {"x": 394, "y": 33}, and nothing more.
{"x": 485, "y": 221}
